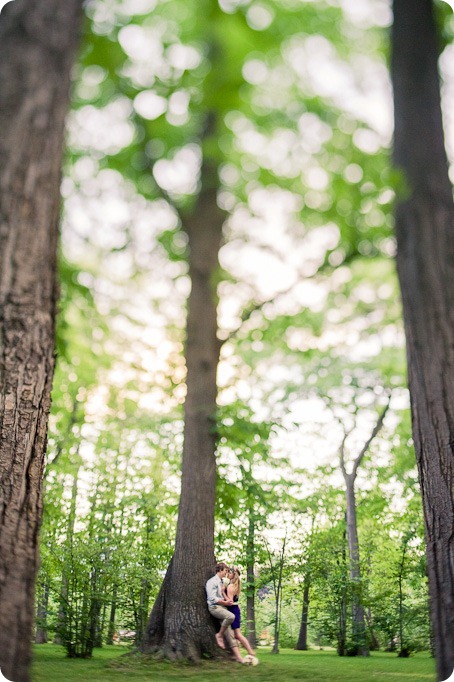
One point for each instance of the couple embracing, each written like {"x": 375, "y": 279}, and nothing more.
{"x": 223, "y": 605}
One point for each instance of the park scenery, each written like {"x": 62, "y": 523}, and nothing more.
{"x": 226, "y": 340}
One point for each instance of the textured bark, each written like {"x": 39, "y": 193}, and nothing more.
{"x": 37, "y": 45}
{"x": 301, "y": 644}
{"x": 425, "y": 261}
{"x": 180, "y": 625}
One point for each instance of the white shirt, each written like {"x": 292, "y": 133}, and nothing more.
{"x": 214, "y": 590}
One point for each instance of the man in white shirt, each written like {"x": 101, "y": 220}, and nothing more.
{"x": 216, "y": 605}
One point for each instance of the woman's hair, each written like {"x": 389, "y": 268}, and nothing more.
{"x": 236, "y": 581}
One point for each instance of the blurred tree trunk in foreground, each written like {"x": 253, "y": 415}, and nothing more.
{"x": 180, "y": 625}
{"x": 37, "y": 46}
{"x": 425, "y": 260}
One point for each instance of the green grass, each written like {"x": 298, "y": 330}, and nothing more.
{"x": 108, "y": 665}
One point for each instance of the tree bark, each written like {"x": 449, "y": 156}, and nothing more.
{"x": 425, "y": 263}
{"x": 301, "y": 644}
{"x": 37, "y": 46}
{"x": 180, "y": 625}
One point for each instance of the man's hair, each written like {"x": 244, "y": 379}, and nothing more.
{"x": 220, "y": 567}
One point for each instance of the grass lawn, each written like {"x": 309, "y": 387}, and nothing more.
{"x": 108, "y": 665}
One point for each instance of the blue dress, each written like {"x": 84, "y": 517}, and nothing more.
{"x": 235, "y": 609}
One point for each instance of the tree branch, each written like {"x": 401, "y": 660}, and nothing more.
{"x": 375, "y": 431}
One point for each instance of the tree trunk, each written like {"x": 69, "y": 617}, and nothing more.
{"x": 63, "y": 631}
{"x": 400, "y": 579}
{"x": 142, "y": 612}
{"x": 180, "y": 625}
{"x": 97, "y": 613}
{"x": 374, "y": 644}
{"x": 113, "y": 609}
{"x": 277, "y": 584}
{"x": 358, "y": 618}
{"x": 250, "y": 581}
{"x": 342, "y": 631}
{"x": 425, "y": 262}
{"x": 37, "y": 46}
{"x": 41, "y": 616}
{"x": 301, "y": 644}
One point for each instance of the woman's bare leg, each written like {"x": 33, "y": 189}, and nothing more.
{"x": 242, "y": 639}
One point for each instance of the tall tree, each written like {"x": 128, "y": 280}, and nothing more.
{"x": 179, "y": 624}
{"x": 37, "y": 46}
{"x": 425, "y": 262}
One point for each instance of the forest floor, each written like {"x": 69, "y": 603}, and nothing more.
{"x": 108, "y": 665}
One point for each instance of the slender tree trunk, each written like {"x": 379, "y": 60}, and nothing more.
{"x": 113, "y": 605}
{"x": 98, "y": 611}
{"x": 342, "y": 632}
{"x": 37, "y": 45}
{"x": 180, "y": 625}
{"x": 63, "y": 631}
{"x": 358, "y": 618}
{"x": 277, "y": 584}
{"x": 250, "y": 581}
{"x": 41, "y": 615}
{"x": 301, "y": 644}
{"x": 374, "y": 643}
{"x": 401, "y": 614}
{"x": 425, "y": 262}
{"x": 400, "y": 578}
{"x": 62, "y": 616}
{"x": 94, "y": 636}
{"x": 141, "y": 613}
{"x": 113, "y": 609}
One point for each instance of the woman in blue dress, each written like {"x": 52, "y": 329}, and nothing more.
{"x": 233, "y": 592}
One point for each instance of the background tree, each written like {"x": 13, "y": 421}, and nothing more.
{"x": 424, "y": 219}
{"x": 359, "y": 626}
{"x": 38, "y": 42}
